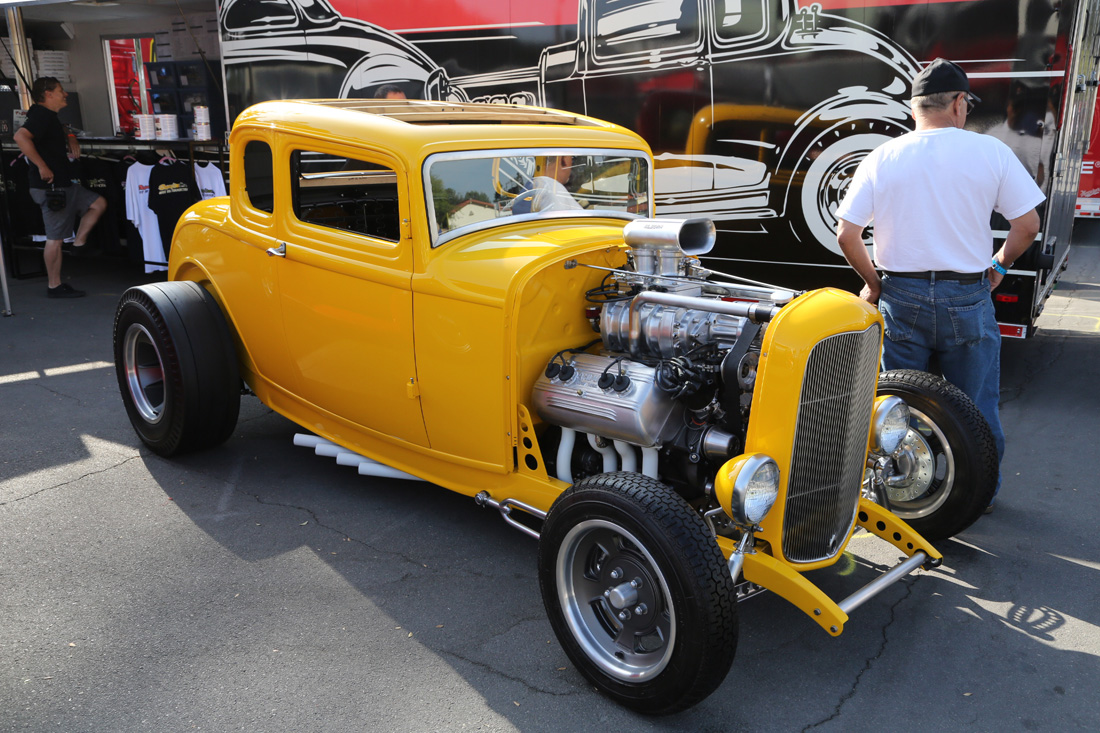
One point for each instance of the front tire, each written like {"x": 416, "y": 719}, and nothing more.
{"x": 951, "y": 457}
{"x": 638, "y": 592}
{"x": 176, "y": 367}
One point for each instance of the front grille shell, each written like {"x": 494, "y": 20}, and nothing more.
{"x": 830, "y": 445}
{"x": 811, "y": 412}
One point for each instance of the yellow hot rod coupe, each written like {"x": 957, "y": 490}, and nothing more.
{"x": 480, "y": 296}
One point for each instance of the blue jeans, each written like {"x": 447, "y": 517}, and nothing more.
{"x": 954, "y": 321}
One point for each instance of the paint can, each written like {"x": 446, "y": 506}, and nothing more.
{"x": 167, "y": 127}
{"x": 145, "y": 127}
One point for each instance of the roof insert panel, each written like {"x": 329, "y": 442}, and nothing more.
{"x": 425, "y": 112}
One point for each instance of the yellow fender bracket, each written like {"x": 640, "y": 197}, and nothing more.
{"x": 880, "y": 522}
{"x": 780, "y": 579}
{"x": 783, "y": 580}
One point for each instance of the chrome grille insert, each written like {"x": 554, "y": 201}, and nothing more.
{"x": 830, "y": 445}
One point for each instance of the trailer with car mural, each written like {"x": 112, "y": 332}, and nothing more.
{"x": 757, "y": 111}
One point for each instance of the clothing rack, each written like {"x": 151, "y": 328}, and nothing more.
{"x": 205, "y": 149}
{"x": 189, "y": 150}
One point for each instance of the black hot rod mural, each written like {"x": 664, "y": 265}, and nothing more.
{"x": 758, "y": 111}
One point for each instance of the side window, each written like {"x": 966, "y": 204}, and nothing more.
{"x": 345, "y": 194}
{"x": 740, "y": 19}
{"x": 626, "y": 27}
{"x": 258, "y": 181}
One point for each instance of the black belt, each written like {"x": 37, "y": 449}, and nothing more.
{"x": 963, "y": 277}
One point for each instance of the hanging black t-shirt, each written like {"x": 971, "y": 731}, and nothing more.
{"x": 24, "y": 214}
{"x": 171, "y": 190}
{"x": 50, "y": 140}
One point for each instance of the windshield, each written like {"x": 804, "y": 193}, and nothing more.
{"x": 476, "y": 189}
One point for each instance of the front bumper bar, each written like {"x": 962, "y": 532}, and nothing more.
{"x": 783, "y": 580}
{"x": 879, "y": 584}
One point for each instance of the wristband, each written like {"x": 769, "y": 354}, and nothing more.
{"x": 999, "y": 267}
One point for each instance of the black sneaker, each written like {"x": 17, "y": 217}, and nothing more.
{"x": 64, "y": 290}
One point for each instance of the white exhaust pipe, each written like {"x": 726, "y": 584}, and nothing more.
{"x": 610, "y": 462}
{"x": 344, "y": 457}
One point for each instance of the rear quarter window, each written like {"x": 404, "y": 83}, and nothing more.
{"x": 258, "y": 176}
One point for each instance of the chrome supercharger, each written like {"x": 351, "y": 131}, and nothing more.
{"x": 665, "y": 324}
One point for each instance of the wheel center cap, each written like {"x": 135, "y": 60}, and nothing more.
{"x": 622, "y": 595}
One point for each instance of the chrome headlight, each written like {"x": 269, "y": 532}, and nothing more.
{"x": 747, "y": 487}
{"x": 890, "y": 423}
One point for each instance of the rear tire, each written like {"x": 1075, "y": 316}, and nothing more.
{"x": 677, "y": 639}
{"x": 954, "y": 476}
{"x": 176, "y": 367}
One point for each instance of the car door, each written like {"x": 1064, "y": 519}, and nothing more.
{"x": 345, "y": 285}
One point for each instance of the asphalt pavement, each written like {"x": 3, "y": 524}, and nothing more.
{"x": 258, "y": 587}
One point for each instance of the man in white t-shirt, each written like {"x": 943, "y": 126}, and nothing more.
{"x": 930, "y": 194}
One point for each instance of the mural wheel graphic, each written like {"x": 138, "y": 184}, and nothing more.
{"x": 831, "y": 165}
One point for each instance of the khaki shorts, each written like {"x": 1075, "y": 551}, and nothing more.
{"x": 60, "y": 224}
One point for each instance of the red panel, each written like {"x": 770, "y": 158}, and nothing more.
{"x": 1090, "y": 177}
{"x": 841, "y": 4}
{"x": 429, "y": 14}
{"x": 1015, "y": 332}
{"x": 438, "y": 14}
{"x": 126, "y": 80}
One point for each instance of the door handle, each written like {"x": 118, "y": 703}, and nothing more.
{"x": 279, "y": 251}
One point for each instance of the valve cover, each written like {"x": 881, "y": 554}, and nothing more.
{"x": 638, "y": 414}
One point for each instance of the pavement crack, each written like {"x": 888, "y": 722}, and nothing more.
{"x": 343, "y": 535}
{"x": 56, "y": 393}
{"x": 63, "y": 484}
{"x": 869, "y": 663}
{"x": 1048, "y": 357}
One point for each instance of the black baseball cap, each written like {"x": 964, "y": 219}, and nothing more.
{"x": 942, "y": 76}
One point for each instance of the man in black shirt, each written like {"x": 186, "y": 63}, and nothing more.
{"x": 48, "y": 145}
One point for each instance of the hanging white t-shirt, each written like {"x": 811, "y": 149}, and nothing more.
{"x": 210, "y": 180}
{"x": 138, "y": 212}
{"x": 930, "y": 194}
